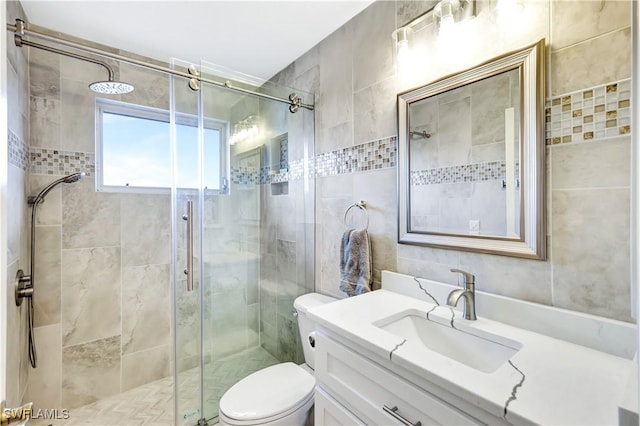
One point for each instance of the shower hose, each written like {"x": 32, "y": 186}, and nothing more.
{"x": 33, "y": 356}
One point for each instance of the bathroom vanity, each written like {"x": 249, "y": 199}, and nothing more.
{"x": 400, "y": 355}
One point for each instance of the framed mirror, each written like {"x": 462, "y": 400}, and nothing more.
{"x": 471, "y": 159}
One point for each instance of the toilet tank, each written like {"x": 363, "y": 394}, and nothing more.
{"x": 305, "y": 326}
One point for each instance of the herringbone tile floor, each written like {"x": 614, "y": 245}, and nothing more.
{"x": 153, "y": 403}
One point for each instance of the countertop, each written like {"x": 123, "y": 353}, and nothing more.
{"x": 548, "y": 381}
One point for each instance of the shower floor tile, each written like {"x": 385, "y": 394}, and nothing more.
{"x": 153, "y": 403}
{"x": 150, "y": 404}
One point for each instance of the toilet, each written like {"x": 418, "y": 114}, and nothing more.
{"x": 283, "y": 393}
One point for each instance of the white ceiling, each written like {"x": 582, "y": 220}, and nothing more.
{"x": 258, "y": 38}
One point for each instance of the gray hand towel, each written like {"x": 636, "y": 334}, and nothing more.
{"x": 355, "y": 262}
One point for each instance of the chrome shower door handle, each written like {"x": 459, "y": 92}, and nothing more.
{"x": 189, "y": 270}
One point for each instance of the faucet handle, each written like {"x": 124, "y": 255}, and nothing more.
{"x": 469, "y": 279}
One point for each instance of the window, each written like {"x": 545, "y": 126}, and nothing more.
{"x": 134, "y": 149}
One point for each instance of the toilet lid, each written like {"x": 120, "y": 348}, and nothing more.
{"x": 268, "y": 392}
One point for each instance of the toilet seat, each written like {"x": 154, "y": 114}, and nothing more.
{"x": 288, "y": 388}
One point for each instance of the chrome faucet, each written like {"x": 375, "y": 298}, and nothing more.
{"x": 469, "y": 295}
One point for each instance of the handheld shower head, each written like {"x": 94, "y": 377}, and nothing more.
{"x": 74, "y": 177}
{"x": 26, "y": 284}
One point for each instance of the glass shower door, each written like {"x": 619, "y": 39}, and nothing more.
{"x": 231, "y": 252}
{"x": 199, "y": 158}
{"x": 200, "y": 187}
{"x": 248, "y": 241}
{"x": 186, "y": 202}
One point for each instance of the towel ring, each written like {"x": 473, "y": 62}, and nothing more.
{"x": 362, "y": 206}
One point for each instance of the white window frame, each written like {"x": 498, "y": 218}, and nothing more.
{"x": 157, "y": 114}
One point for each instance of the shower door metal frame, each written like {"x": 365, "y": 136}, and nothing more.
{"x": 189, "y": 271}
{"x": 4, "y": 170}
{"x": 20, "y": 29}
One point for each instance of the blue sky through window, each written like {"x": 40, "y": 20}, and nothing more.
{"x": 136, "y": 152}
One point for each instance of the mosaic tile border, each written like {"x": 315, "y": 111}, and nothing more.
{"x": 371, "y": 155}
{"x": 594, "y": 113}
{"x": 378, "y": 154}
{"x": 18, "y": 152}
{"x": 296, "y": 169}
{"x": 294, "y": 172}
{"x": 244, "y": 176}
{"x": 475, "y": 172}
{"x": 45, "y": 161}
{"x": 278, "y": 178}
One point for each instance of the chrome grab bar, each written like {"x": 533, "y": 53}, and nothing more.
{"x": 189, "y": 270}
{"x": 393, "y": 411}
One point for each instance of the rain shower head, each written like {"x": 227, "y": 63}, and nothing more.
{"x": 111, "y": 87}
{"x": 74, "y": 177}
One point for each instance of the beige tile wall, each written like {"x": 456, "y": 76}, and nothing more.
{"x": 103, "y": 305}
{"x": 286, "y": 236}
{"x": 357, "y": 81}
{"x": 17, "y": 364}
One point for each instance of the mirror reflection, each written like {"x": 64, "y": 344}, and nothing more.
{"x": 464, "y": 149}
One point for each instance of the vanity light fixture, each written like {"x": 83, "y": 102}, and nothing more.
{"x": 401, "y": 36}
{"x": 446, "y": 13}
{"x": 443, "y": 12}
{"x": 244, "y": 129}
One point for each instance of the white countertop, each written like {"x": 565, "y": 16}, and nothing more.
{"x": 548, "y": 381}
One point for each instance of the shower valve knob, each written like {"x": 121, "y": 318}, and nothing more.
{"x": 23, "y": 287}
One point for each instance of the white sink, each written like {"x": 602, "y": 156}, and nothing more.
{"x": 475, "y": 348}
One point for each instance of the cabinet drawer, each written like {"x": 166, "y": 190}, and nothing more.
{"x": 328, "y": 411}
{"x": 365, "y": 387}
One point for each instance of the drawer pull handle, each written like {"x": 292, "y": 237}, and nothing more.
{"x": 393, "y": 411}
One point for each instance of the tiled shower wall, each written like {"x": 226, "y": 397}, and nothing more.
{"x": 17, "y": 368}
{"x": 103, "y": 305}
{"x": 354, "y": 74}
{"x": 286, "y": 233}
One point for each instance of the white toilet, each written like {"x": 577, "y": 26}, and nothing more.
{"x": 281, "y": 394}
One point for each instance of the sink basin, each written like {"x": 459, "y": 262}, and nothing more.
{"x": 475, "y": 348}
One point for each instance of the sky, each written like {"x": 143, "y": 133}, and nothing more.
{"x": 137, "y": 152}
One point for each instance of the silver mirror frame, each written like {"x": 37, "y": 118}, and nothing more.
{"x": 532, "y": 242}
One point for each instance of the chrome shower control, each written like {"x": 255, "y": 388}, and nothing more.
{"x": 23, "y": 287}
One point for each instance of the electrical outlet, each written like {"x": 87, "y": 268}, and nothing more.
{"x": 474, "y": 226}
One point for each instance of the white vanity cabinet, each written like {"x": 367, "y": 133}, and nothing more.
{"x": 360, "y": 391}
{"x": 381, "y": 360}
{"x": 328, "y": 411}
